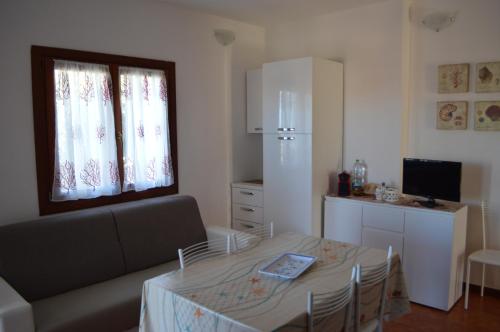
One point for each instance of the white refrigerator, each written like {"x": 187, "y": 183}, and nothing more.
{"x": 302, "y": 129}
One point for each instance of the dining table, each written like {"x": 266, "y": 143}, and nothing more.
{"x": 228, "y": 293}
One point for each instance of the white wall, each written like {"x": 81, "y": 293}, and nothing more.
{"x": 473, "y": 38}
{"x": 134, "y": 28}
{"x": 368, "y": 41}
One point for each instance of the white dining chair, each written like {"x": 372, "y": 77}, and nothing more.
{"x": 251, "y": 236}
{"x": 484, "y": 256}
{"x": 371, "y": 278}
{"x": 323, "y": 306}
{"x": 206, "y": 249}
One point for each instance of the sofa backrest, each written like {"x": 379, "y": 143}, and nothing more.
{"x": 45, "y": 257}
{"x": 151, "y": 231}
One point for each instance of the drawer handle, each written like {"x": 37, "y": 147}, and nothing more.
{"x": 249, "y": 193}
{"x": 286, "y": 138}
{"x": 246, "y": 225}
{"x": 286, "y": 129}
{"x": 257, "y": 129}
{"x": 247, "y": 209}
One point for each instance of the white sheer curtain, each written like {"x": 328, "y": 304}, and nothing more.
{"x": 146, "y": 147}
{"x": 85, "y": 147}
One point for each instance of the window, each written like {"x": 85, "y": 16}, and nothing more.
{"x": 104, "y": 128}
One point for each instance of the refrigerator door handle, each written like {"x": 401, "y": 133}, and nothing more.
{"x": 286, "y": 129}
{"x": 286, "y": 138}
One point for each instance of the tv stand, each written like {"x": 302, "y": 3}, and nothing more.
{"x": 430, "y": 242}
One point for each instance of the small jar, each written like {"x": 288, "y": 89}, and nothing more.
{"x": 379, "y": 192}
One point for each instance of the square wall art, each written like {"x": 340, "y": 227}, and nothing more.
{"x": 488, "y": 77}
{"x": 487, "y": 115}
{"x": 452, "y": 115}
{"x": 454, "y": 78}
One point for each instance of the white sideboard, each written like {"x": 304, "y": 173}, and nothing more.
{"x": 430, "y": 242}
{"x": 247, "y": 205}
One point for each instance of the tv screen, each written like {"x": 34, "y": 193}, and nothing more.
{"x": 432, "y": 178}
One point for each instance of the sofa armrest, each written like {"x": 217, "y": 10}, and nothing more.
{"x": 15, "y": 313}
{"x": 240, "y": 240}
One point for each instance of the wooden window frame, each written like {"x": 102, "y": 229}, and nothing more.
{"x": 42, "y": 73}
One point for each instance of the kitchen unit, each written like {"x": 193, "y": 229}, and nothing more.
{"x": 302, "y": 140}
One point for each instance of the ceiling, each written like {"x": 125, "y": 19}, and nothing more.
{"x": 269, "y": 12}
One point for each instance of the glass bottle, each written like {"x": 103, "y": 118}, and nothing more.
{"x": 359, "y": 177}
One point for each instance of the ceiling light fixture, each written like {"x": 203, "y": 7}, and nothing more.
{"x": 224, "y": 37}
{"x": 437, "y": 21}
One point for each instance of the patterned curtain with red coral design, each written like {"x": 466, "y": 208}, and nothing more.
{"x": 146, "y": 146}
{"x": 85, "y": 147}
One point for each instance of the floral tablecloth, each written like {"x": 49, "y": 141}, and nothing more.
{"x": 229, "y": 294}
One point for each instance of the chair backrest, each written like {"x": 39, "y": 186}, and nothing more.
{"x": 371, "y": 277}
{"x": 249, "y": 237}
{"x": 322, "y": 306}
{"x": 206, "y": 249}
{"x": 484, "y": 216}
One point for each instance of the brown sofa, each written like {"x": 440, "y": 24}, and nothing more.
{"x": 84, "y": 271}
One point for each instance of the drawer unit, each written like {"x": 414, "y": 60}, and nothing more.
{"x": 241, "y": 225}
{"x": 247, "y": 196}
{"x": 386, "y": 218}
{"x": 247, "y": 205}
{"x": 248, "y": 213}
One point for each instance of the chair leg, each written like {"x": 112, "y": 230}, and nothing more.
{"x": 466, "y": 306}
{"x": 482, "y": 281}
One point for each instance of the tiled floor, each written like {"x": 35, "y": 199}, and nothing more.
{"x": 483, "y": 315}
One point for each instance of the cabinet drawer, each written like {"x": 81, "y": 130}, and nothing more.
{"x": 247, "y": 196}
{"x": 241, "y": 225}
{"x": 375, "y": 238}
{"x": 381, "y": 217}
{"x": 248, "y": 213}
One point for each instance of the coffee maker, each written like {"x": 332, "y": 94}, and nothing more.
{"x": 344, "y": 184}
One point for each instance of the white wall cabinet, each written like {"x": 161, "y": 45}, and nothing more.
{"x": 254, "y": 101}
{"x": 431, "y": 243}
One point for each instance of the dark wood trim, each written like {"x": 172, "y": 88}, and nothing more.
{"x": 115, "y": 79}
{"x": 44, "y": 123}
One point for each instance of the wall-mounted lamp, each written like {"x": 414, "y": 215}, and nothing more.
{"x": 224, "y": 37}
{"x": 437, "y": 21}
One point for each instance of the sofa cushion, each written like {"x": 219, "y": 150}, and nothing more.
{"x": 151, "y": 231}
{"x": 109, "y": 306}
{"x": 45, "y": 257}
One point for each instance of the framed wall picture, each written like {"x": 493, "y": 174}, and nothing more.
{"x": 487, "y": 115}
{"x": 488, "y": 77}
{"x": 452, "y": 115}
{"x": 453, "y": 78}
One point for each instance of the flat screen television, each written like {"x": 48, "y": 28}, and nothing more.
{"x": 433, "y": 179}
